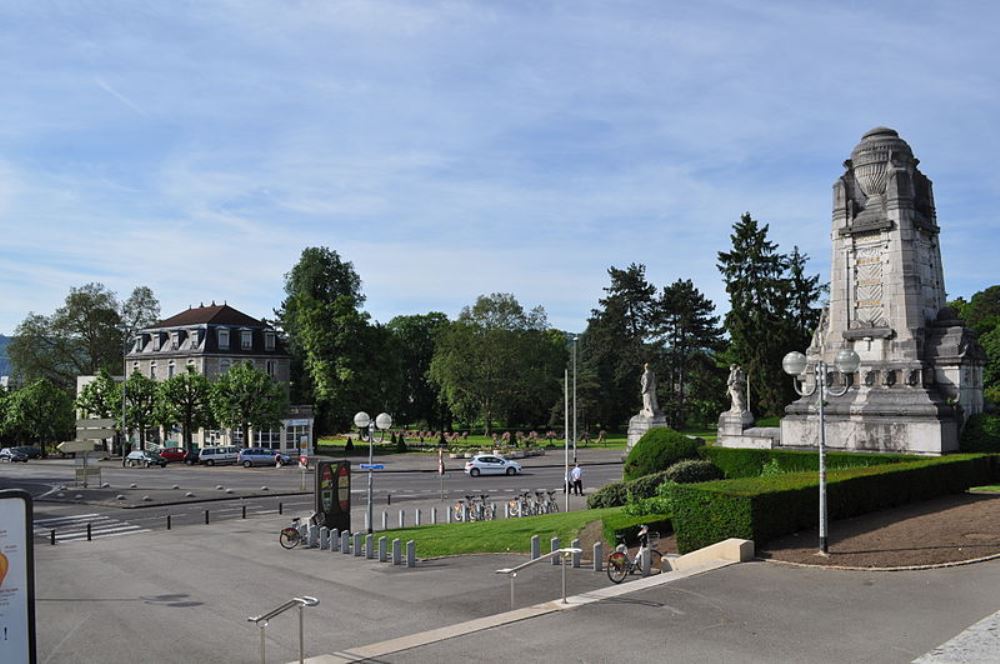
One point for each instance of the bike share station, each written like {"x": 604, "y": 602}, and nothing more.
{"x": 333, "y": 495}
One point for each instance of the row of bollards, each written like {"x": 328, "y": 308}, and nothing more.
{"x": 359, "y": 544}
{"x": 555, "y": 545}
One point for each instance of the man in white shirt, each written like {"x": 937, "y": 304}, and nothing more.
{"x": 576, "y": 479}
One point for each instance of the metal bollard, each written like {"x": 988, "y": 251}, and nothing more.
{"x": 448, "y": 518}
{"x": 598, "y": 557}
{"x": 324, "y": 538}
{"x": 334, "y": 540}
{"x": 645, "y": 561}
{"x": 281, "y": 508}
{"x": 52, "y": 537}
{"x": 388, "y": 498}
{"x": 358, "y": 544}
{"x": 368, "y": 526}
{"x": 536, "y": 547}
{"x": 206, "y": 517}
{"x": 434, "y": 516}
{"x": 345, "y": 542}
{"x": 416, "y": 517}
{"x": 396, "y": 552}
{"x": 89, "y": 539}
{"x": 385, "y": 520}
{"x": 244, "y": 512}
{"x": 411, "y": 553}
{"x": 555, "y": 547}
{"x": 402, "y": 519}
{"x": 383, "y": 548}
{"x": 576, "y": 556}
{"x": 506, "y": 510}
{"x": 465, "y": 513}
{"x": 369, "y": 546}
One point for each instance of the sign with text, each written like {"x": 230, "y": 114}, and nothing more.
{"x": 17, "y": 579}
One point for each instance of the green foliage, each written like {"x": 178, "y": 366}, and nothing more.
{"x": 657, "y": 450}
{"x": 185, "y": 399}
{"x": 688, "y": 471}
{"x": 349, "y": 446}
{"x": 982, "y": 312}
{"x": 981, "y": 434}
{"x": 762, "y": 508}
{"x": 414, "y": 338}
{"x": 771, "y": 469}
{"x": 657, "y": 503}
{"x": 627, "y": 525}
{"x": 246, "y": 397}
{"x": 990, "y": 341}
{"x": 645, "y": 486}
{"x": 140, "y": 405}
{"x": 614, "y": 494}
{"x": 101, "y": 397}
{"x": 39, "y": 413}
{"x": 750, "y": 463}
{"x": 400, "y": 444}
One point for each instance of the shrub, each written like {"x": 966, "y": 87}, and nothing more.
{"x": 348, "y": 446}
{"x": 693, "y": 470}
{"x": 645, "y": 486}
{"x": 400, "y": 444}
{"x": 981, "y": 434}
{"x": 736, "y": 462}
{"x": 761, "y": 509}
{"x": 659, "y": 449}
{"x": 609, "y": 495}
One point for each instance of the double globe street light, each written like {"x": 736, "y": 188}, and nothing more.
{"x": 846, "y": 363}
{"x": 366, "y": 424}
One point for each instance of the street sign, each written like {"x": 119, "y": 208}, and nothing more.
{"x": 96, "y": 429}
{"x": 373, "y": 466}
{"x": 96, "y": 424}
{"x": 72, "y": 446}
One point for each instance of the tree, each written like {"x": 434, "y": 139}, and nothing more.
{"x": 101, "y": 397}
{"x": 770, "y": 300}
{"x": 498, "y": 362}
{"x": 40, "y": 413}
{"x": 982, "y": 312}
{"x": 687, "y": 328}
{"x": 245, "y": 397}
{"x": 185, "y": 399}
{"x": 140, "y": 406}
{"x": 415, "y": 337}
{"x": 140, "y": 310}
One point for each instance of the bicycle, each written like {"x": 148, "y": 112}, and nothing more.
{"x": 619, "y": 563}
{"x": 290, "y": 536}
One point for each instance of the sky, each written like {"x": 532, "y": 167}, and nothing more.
{"x": 453, "y": 149}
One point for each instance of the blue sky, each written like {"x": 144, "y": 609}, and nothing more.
{"x": 451, "y": 149}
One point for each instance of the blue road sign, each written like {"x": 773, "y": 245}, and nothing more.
{"x": 373, "y": 466}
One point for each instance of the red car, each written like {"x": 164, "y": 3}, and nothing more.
{"x": 173, "y": 454}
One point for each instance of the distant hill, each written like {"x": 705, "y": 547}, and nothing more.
{"x": 4, "y": 361}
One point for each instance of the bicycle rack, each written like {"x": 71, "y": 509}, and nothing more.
{"x": 262, "y": 621}
{"x": 567, "y": 555}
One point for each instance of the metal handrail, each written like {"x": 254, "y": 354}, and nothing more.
{"x": 512, "y": 571}
{"x": 262, "y": 620}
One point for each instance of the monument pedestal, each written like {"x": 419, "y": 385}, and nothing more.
{"x": 639, "y": 425}
{"x": 737, "y": 430}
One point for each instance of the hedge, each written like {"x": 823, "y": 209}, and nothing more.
{"x": 735, "y": 462}
{"x": 981, "y": 434}
{"x": 763, "y": 508}
{"x": 657, "y": 450}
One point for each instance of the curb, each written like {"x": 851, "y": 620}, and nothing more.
{"x": 172, "y": 503}
{"x": 899, "y": 568}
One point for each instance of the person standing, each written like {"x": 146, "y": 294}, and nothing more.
{"x": 576, "y": 476}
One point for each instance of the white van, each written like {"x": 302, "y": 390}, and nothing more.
{"x": 211, "y": 456}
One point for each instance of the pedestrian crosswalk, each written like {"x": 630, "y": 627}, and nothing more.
{"x": 74, "y": 528}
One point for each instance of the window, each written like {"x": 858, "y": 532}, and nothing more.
{"x": 269, "y": 341}
{"x": 171, "y": 368}
{"x": 246, "y": 339}
{"x": 135, "y": 367}
{"x": 193, "y": 339}
{"x": 269, "y": 440}
{"x": 270, "y": 367}
{"x": 224, "y": 366}
{"x": 223, "y": 339}
{"x": 191, "y": 365}
{"x": 156, "y": 341}
{"x": 175, "y": 340}
{"x": 152, "y": 370}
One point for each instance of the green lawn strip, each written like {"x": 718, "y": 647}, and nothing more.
{"x": 510, "y": 535}
{"x": 992, "y": 488}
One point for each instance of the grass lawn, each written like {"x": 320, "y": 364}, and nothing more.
{"x": 993, "y": 488}
{"x": 336, "y": 443}
{"x": 512, "y": 535}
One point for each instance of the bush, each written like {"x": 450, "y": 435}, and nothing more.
{"x": 981, "y": 434}
{"x": 627, "y": 525}
{"x": 693, "y": 470}
{"x": 609, "y": 495}
{"x": 400, "y": 444}
{"x": 761, "y": 509}
{"x": 659, "y": 449}
{"x": 348, "y": 446}
{"x": 736, "y": 462}
{"x": 645, "y": 486}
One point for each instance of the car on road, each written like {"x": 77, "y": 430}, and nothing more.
{"x": 144, "y": 458}
{"x": 13, "y": 455}
{"x": 173, "y": 453}
{"x": 30, "y": 450}
{"x": 260, "y": 456}
{"x": 491, "y": 464}
{"x": 215, "y": 456}
{"x": 191, "y": 457}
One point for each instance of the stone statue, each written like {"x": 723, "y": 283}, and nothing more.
{"x": 648, "y": 383}
{"x": 736, "y": 383}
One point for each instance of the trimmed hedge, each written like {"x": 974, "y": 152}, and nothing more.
{"x": 981, "y": 434}
{"x": 628, "y": 526}
{"x": 735, "y": 462}
{"x": 659, "y": 449}
{"x": 614, "y": 494}
{"x": 690, "y": 471}
{"x": 645, "y": 486}
{"x": 761, "y": 509}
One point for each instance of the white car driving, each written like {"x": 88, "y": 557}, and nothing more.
{"x": 491, "y": 464}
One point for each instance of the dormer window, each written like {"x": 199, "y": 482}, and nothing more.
{"x": 269, "y": 341}
{"x": 223, "y": 339}
{"x": 156, "y": 341}
{"x": 175, "y": 340}
{"x": 137, "y": 344}
{"x": 246, "y": 339}
{"x": 193, "y": 338}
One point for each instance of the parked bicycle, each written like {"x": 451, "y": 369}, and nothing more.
{"x": 291, "y": 535}
{"x": 621, "y": 565}
{"x": 543, "y": 502}
{"x": 474, "y": 508}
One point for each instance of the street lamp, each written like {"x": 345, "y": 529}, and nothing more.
{"x": 365, "y": 423}
{"x": 794, "y": 364}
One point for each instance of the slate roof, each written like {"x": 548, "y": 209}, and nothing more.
{"x": 215, "y": 314}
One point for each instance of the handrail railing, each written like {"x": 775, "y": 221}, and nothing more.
{"x": 512, "y": 571}
{"x": 262, "y": 621}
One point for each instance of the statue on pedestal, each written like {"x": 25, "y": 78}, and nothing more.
{"x": 737, "y": 391}
{"x": 648, "y": 386}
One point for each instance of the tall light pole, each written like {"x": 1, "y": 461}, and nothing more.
{"x": 794, "y": 364}
{"x": 574, "y": 398}
{"x": 365, "y": 423}
{"x": 566, "y": 437}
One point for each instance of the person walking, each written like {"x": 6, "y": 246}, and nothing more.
{"x": 576, "y": 476}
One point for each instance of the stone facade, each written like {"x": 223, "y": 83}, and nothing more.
{"x": 921, "y": 370}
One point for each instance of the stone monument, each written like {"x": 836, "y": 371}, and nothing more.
{"x": 921, "y": 370}
{"x": 738, "y": 418}
{"x": 650, "y": 415}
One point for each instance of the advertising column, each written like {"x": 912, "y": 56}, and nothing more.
{"x": 17, "y": 579}
{"x": 333, "y": 494}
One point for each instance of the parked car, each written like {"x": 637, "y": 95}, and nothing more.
{"x": 30, "y": 450}
{"x": 145, "y": 458}
{"x": 491, "y": 464}
{"x": 191, "y": 456}
{"x": 259, "y": 456}
{"x": 212, "y": 456}
{"x": 13, "y": 455}
{"x": 173, "y": 453}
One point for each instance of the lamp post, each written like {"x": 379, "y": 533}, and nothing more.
{"x": 365, "y": 423}
{"x": 575, "y": 336}
{"x": 846, "y": 363}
